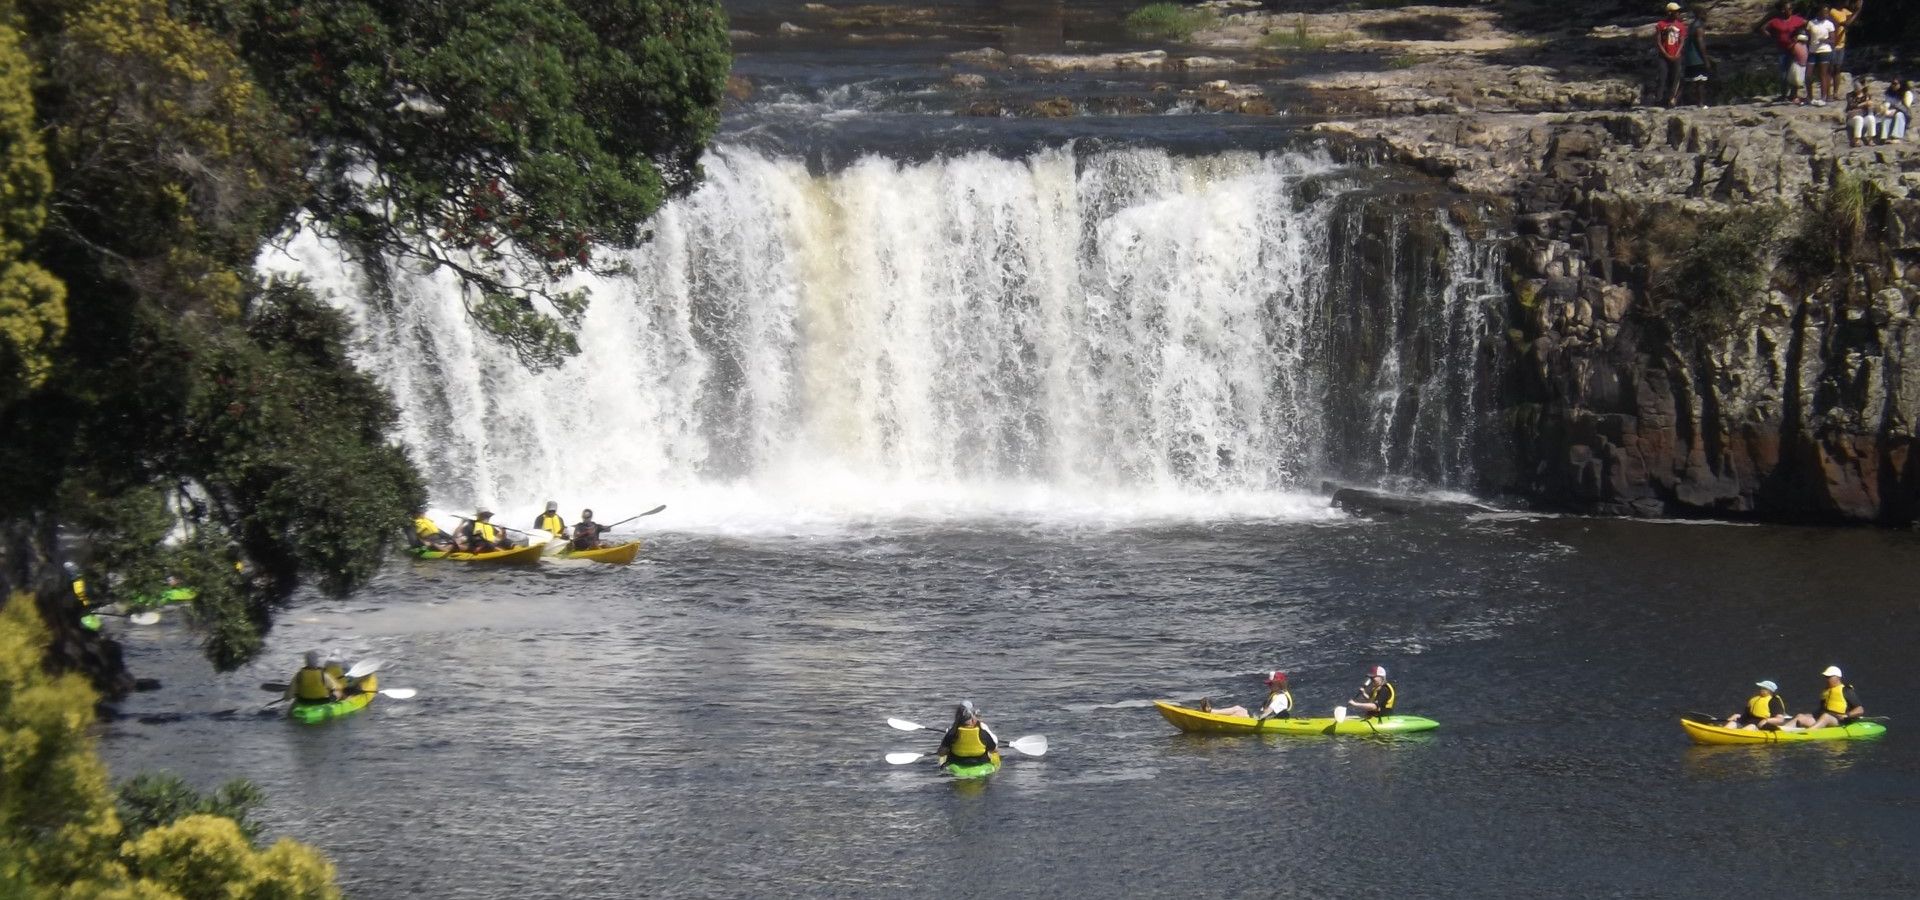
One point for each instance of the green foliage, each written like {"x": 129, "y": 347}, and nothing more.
{"x": 501, "y": 139}
{"x": 60, "y": 834}
{"x": 1166, "y": 22}
{"x": 150, "y": 800}
{"x": 33, "y": 314}
{"x": 1724, "y": 266}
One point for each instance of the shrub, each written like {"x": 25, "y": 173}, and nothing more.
{"x": 1166, "y": 21}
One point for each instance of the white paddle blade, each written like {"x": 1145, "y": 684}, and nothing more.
{"x": 539, "y": 536}
{"x": 1339, "y": 714}
{"x": 1031, "y": 745}
{"x": 365, "y": 667}
{"x": 399, "y": 693}
{"x": 145, "y": 618}
{"x": 905, "y": 725}
{"x": 903, "y": 757}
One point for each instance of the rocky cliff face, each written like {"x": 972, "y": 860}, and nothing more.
{"x": 1710, "y": 312}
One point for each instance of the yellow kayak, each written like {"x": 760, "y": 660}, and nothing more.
{"x": 1196, "y": 721}
{"x": 518, "y": 556}
{"x": 618, "y": 554}
{"x": 1702, "y": 733}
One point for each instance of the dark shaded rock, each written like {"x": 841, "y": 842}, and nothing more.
{"x": 1364, "y": 500}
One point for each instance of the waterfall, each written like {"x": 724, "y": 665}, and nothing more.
{"x": 1112, "y": 334}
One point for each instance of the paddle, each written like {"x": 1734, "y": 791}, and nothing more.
{"x": 143, "y": 617}
{"x": 544, "y": 537}
{"x": 1027, "y": 745}
{"x": 631, "y": 518}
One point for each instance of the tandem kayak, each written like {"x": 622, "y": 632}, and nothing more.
{"x": 518, "y": 556}
{"x": 1197, "y": 722}
{"x": 618, "y": 554}
{"x": 979, "y": 770}
{"x": 315, "y": 713}
{"x": 1703, "y": 733}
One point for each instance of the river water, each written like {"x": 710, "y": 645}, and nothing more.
{"x": 1033, "y": 412}
{"x": 710, "y": 721}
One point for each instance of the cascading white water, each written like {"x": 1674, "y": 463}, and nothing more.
{"x": 1123, "y": 334}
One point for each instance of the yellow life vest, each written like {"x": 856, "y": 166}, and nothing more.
{"x": 311, "y": 684}
{"x": 1383, "y": 697}
{"x": 1762, "y": 707}
{"x": 424, "y": 527}
{"x": 486, "y": 532}
{"x": 80, "y": 590}
{"x": 550, "y": 522}
{"x": 1834, "y": 700}
{"x": 336, "y": 673}
{"x": 967, "y": 743}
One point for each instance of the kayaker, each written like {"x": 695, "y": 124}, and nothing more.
{"x": 969, "y": 742}
{"x": 1279, "y": 703}
{"x": 1839, "y": 704}
{"x": 550, "y": 521}
{"x": 587, "y": 532}
{"x": 1766, "y": 709}
{"x": 1376, "y": 697}
{"x": 480, "y": 535}
{"x": 312, "y": 684}
{"x": 425, "y": 532}
{"x": 79, "y": 584}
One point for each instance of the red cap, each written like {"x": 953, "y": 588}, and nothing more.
{"x": 1276, "y": 677}
{"x": 1377, "y": 672}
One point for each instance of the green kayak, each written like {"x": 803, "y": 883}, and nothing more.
{"x": 315, "y": 713}
{"x": 980, "y": 770}
{"x": 168, "y": 596}
{"x": 1202, "y": 722}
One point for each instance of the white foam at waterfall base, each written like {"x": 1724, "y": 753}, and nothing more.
{"x": 1117, "y": 338}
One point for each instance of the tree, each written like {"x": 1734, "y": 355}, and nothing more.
{"x": 59, "y": 832}
{"x": 33, "y": 315}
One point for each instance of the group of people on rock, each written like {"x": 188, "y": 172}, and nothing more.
{"x": 1812, "y": 62}
{"x": 480, "y": 535}
{"x": 1766, "y": 710}
{"x": 1376, "y": 698}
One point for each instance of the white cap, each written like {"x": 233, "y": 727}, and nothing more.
{"x": 1767, "y": 684}
{"x": 482, "y": 511}
{"x": 1833, "y": 672}
{"x": 1377, "y": 672}
{"x": 1673, "y": 7}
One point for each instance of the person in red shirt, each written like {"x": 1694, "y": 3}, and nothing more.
{"x": 1669, "y": 37}
{"x": 1782, "y": 26}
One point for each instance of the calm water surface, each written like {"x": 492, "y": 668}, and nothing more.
{"x": 710, "y": 721}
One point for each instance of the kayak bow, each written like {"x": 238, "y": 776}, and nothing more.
{"x": 618, "y": 554}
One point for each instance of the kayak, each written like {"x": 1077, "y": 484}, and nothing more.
{"x": 1703, "y": 733}
{"x": 315, "y": 713}
{"x": 170, "y": 595}
{"x": 618, "y": 554}
{"x": 518, "y": 556}
{"x": 980, "y": 770}
{"x": 1197, "y": 722}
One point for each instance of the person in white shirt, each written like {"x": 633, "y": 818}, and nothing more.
{"x": 1279, "y": 703}
{"x": 1820, "y": 51}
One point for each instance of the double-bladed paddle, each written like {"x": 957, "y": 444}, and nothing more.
{"x": 1027, "y": 745}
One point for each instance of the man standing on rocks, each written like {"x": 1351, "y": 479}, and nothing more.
{"x": 1669, "y": 37}
{"x": 1699, "y": 64}
{"x": 1782, "y": 27}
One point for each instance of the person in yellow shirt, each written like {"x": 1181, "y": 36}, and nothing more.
{"x": 1843, "y": 16}
{"x": 312, "y": 684}
{"x": 1766, "y": 709}
{"x": 550, "y": 521}
{"x": 969, "y": 742}
{"x": 1839, "y": 704}
{"x": 425, "y": 533}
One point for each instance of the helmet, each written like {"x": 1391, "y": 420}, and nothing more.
{"x": 965, "y": 712}
{"x": 482, "y": 513}
{"x": 553, "y": 505}
{"x": 314, "y": 659}
{"x": 72, "y": 568}
{"x": 1276, "y": 677}
{"x": 1377, "y": 672}
{"x": 586, "y": 514}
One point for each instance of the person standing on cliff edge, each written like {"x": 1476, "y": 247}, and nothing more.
{"x": 1782, "y": 27}
{"x": 1669, "y": 38}
{"x": 1699, "y": 63}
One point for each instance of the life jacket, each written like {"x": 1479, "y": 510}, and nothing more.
{"x": 80, "y": 590}
{"x": 424, "y": 528}
{"x": 966, "y": 743}
{"x": 310, "y": 684}
{"x": 1285, "y": 712}
{"x": 1383, "y": 697}
{"x": 550, "y": 522}
{"x": 585, "y": 535}
{"x": 1834, "y": 700}
{"x": 487, "y": 532}
{"x": 1760, "y": 707}
{"x": 336, "y": 673}
{"x": 1669, "y": 34}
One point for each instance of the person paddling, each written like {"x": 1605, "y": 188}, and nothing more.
{"x": 312, "y": 684}
{"x": 1839, "y": 704}
{"x": 969, "y": 742}
{"x": 480, "y": 535}
{"x": 586, "y": 532}
{"x": 1377, "y": 696}
{"x": 426, "y": 533}
{"x": 550, "y": 521}
{"x": 1766, "y": 709}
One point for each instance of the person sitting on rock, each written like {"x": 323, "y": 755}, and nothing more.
{"x": 1839, "y": 704}
{"x": 1896, "y": 111}
{"x": 1766, "y": 709}
{"x": 1863, "y": 122}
